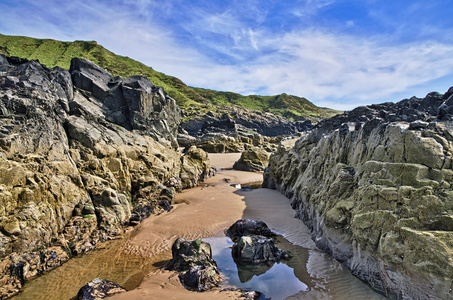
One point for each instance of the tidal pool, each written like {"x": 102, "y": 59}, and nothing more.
{"x": 274, "y": 280}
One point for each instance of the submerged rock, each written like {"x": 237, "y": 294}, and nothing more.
{"x": 193, "y": 260}
{"x": 99, "y": 288}
{"x": 254, "y": 242}
{"x": 257, "y": 249}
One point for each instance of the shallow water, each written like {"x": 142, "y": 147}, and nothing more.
{"x": 274, "y": 280}
{"x": 324, "y": 277}
{"x": 309, "y": 274}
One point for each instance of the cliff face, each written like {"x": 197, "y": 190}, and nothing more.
{"x": 375, "y": 187}
{"x": 81, "y": 155}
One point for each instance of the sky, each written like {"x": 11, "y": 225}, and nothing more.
{"x": 337, "y": 53}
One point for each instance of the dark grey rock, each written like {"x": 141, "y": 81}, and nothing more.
{"x": 99, "y": 288}
{"x": 246, "y": 227}
{"x": 133, "y": 103}
{"x": 257, "y": 249}
{"x": 193, "y": 260}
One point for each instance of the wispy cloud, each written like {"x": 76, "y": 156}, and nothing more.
{"x": 223, "y": 46}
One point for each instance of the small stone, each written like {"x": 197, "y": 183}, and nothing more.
{"x": 99, "y": 288}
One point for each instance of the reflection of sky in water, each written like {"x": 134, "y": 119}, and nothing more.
{"x": 275, "y": 281}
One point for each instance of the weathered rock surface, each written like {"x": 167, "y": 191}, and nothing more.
{"x": 238, "y": 119}
{"x": 374, "y": 186}
{"x": 193, "y": 260}
{"x": 245, "y": 227}
{"x": 226, "y": 143}
{"x": 253, "y": 159}
{"x": 83, "y": 154}
{"x": 257, "y": 249}
{"x": 236, "y": 129}
{"x": 99, "y": 288}
{"x": 253, "y": 242}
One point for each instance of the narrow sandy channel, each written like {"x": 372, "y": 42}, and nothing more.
{"x": 135, "y": 262}
{"x": 199, "y": 212}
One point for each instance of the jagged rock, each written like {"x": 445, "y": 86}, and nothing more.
{"x": 246, "y": 227}
{"x": 195, "y": 167}
{"x": 374, "y": 186}
{"x": 253, "y": 159}
{"x": 16, "y": 269}
{"x": 236, "y": 119}
{"x": 133, "y": 103}
{"x": 82, "y": 156}
{"x": 99, "y": 288}
{"x": 193, "y": 260}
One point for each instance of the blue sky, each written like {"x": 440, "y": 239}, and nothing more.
{"x": 337, "y": 53}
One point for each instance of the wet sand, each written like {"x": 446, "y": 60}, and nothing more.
{"x": 200, "y": 212}
{"x": 136, "y": 262}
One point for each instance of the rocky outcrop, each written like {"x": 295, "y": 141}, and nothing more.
{"x": 238, "y": 119}
{"x": 82, "y": 155}
{"x": 193, "y": 260}
{"x": 133, "y": 103}
{"x": 99, "y": 288}
{"x": 254, "y": 159}
{"x": 233, "y": 142}
{"x": 253, "y": 242}
{"x": 236, "y": 129}
{"x": 374, "y": 186}
{"x": 245, "y": 227}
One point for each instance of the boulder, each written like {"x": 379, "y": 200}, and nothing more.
{"x": 257, "y": 249}
{"x": 246, "y": 227}
{"x": 195, "y": 167}
{"x": 254, "y": 159}
{"x": 99, "y": 288}
{"x": 193, "y": 260}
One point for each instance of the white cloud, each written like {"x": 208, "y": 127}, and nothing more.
{"x": 334, "y": 70}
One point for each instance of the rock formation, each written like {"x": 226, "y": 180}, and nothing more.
{"x": 193, "y": 260}
{"x": 254, "y": 159}
{"x": 99, "y": 288}
{"x": 82, "y": 154}
{"x": 375, "y": 187}
{"x": 238, "y": 119}
{"x": 253, "y": 242}
{"x": 236, "y": 130}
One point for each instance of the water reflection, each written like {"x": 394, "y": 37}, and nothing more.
{"x": 274, "y": 280}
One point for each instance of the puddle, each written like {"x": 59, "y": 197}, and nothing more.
{"x": 275, "y": 280}
{"x": 248, "y": 186}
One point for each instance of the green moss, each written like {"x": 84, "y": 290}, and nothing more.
{"x": 56, "y": 53}
{"x": 89, "y": 216}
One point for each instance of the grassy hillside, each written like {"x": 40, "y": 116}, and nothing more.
{"x": 291, "y": 107}
{"x": 56, "y": 53}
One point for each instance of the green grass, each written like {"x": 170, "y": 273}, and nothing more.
{"x": 56, "y": 53}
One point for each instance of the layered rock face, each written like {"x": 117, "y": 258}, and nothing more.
{"x": 82, "y": 154}
{"x": 237, "y": 129}
{"x": 238, "y": 119}
{"x": 375, "y": 187}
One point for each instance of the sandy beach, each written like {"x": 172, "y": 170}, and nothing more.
{"x": 137, "y": 261}
{"x": 200, "y": 212}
